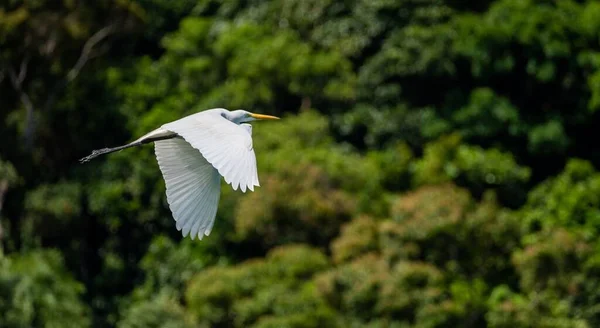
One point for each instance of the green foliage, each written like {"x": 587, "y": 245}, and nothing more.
{"x": 394, "y": 165}
{"x": 463, "y": 232}
{"x": 168, "y": 267}
{"x": 208, "y": 62}
{"x": 37, "y": 290}
{"x": 353, "y": 288}
{"x": 311, "y": 185}
{"x": 8, "y": 174}
{"x": 535, "y": 310}
{"x": 488, "y": 115}
{"x": 447, "y": 159}
{"x": 262, "y": 293}
{"x": 552, "y": 261}
{"x": 159, "y": 311}
{"x": 427, "y": 266}
{"x": 357, "y": 237}
{"x": 567, "y": 200}
{"x": 435, "y": 165}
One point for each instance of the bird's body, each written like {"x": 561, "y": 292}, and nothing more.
{"x": 193, "y": 153}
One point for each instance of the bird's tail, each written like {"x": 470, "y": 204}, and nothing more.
{"x": 103, "y": 151}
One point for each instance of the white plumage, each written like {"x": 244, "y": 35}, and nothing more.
{"x": 193, "y": 153}
{"x": 224, "y": 144}
{"x": 193, "y": 186}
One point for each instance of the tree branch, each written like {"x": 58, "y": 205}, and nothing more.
{"x": 87, "y": 52}
{"x": 84, "y": 57}
{"x": 23, "y": 71}
{"x": 17, "y": 82}
{"x": 3, "y": 189}
{"x": 17, "y": 79}
{"x": 88, "y": 47}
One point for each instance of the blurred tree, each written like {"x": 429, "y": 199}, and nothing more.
{"x": 410, "y": 128}
{"x": 46, "y": 46}
{"x": 447, "y": 159}
{"x": 158, "y": 311}
{"x": 570, "y": 199}
{"x": 8, "y": 177}
{"x": 37, "y": 291}
{"x": 430, "y": 265}
{"x": 168, "y": 267}
{"x": 270, "y": 292}
{"x": 508, "y": 309}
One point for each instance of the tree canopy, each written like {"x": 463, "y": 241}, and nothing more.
{"x": 435, "y": 165}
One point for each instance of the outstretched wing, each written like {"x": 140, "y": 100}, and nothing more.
{"x": 224, "y": 144}
{"x": 193, "y": 186}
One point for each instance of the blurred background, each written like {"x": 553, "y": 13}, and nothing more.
{"x": 436, "y": 164}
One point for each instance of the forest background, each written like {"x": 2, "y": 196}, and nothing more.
{"x": 436, "y": 164}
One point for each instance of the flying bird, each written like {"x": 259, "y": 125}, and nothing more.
{"x": 193, "y": 153}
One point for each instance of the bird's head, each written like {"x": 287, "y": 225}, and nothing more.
{"x": 242, "y": 116}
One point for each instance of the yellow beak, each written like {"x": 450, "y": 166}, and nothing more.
{"x": 264, "y": 117}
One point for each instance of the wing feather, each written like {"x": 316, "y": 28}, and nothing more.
{"x": 224, "y": 144}
{"x": 193, "y": 186}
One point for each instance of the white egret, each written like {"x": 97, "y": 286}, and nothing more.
{"x": 192, "y": 153}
